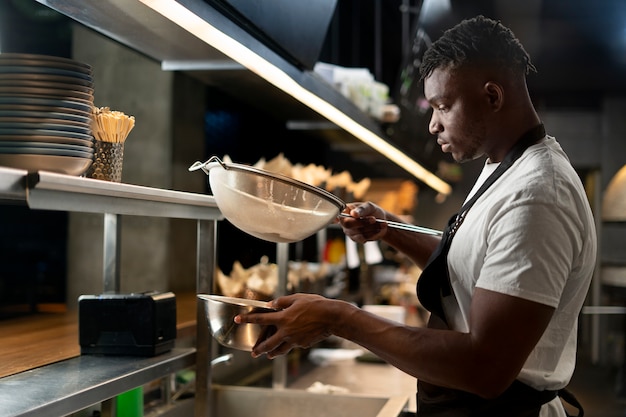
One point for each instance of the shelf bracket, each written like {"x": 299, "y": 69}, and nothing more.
{"x": 111, "y": 254}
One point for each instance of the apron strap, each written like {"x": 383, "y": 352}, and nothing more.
{"x": 569, "y": 398}
{"x": 434, "y": 281}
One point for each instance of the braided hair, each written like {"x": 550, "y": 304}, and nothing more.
{"x": 477, "y": 41}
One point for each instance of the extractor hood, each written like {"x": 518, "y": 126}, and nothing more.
{"x": 294, "y": 29}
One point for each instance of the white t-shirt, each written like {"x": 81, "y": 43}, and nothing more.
{"x": 530, "y": 235}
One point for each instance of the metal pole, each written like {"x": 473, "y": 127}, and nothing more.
{"x": 596, "y": 285}
{"x": 279, "y": 376}
{"x": 205, "y": 270}
{"x": 111, "y": 253}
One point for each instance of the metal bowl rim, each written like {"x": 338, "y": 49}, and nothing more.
{"x": 242, "y": 302}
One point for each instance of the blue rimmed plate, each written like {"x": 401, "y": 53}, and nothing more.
{"x": 19, "y": 77}
{"x": 41, "y": 126}
{"x": 46, "y": 145}
{"x": 49, "y": 139}
{"x": 38, "y": 150}
{"x": 85, "y": 106}
{"x": 45, "y": 132}
{"x": 7, "y": 117}
{"x": 61, "y": 112}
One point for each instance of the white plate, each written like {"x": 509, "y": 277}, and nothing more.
{"x": 62, "y": 164}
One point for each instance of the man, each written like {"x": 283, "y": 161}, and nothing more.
{"x": 506, "y": 284}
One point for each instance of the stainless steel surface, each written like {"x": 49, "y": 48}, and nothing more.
{"x": 279, "y": 364}
{"x": 404, "y": 226}
{"x": 235, "y": 401}
{"x": 12, "y": 185}
{"x": 596, "y": 284}
{"x": 205, "y": 269}
{"x": 50, "y": 191}
{"x": 220, "y": 313}
{"x": 598, "y": 310}
{"x": 72, "y": 385}
{"x": 224, "y": 359}
{"x": 362, "y": 378}
{"x": 136, "y": 25}
{"x": 111, "y": 254}
{"x": 268, "y": 205}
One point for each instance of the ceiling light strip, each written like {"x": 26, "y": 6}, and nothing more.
{"x": 188, "y": 20}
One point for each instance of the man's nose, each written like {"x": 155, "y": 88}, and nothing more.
{"x": 434, "y": 126}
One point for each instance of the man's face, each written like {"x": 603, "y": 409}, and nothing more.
{"x": 458, "y": 114}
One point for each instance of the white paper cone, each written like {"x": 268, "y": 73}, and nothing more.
{"x": 352, "y": 254}
{"x": 373, "y": 255}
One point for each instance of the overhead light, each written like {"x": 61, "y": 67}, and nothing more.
{"x": 310, "y": 125}
{"x": 211, "y": 65}
{"x": 230, "y": 47}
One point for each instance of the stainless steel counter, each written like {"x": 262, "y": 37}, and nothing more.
{"x": 69, "y": 386}
{"x": 64, "y": 387}
{"x": 362, "y": 378}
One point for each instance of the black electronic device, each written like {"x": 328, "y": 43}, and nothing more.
{"x": 137, "y": 324}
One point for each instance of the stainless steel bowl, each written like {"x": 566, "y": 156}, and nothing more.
{"x": 222, "y": 310}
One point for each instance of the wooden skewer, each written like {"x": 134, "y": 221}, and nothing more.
{"x": 111, "y": 126}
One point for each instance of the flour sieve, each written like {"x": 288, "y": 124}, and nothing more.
{"x": 274, "y": 207}
{"x": 267, "y": 205}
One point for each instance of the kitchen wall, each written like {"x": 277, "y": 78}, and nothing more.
{"x": 128, "y": 82}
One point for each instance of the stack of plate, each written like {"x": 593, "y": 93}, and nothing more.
{"x": 45, "y": 113}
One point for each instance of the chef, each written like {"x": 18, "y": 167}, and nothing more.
{"x": 506, "y": 282}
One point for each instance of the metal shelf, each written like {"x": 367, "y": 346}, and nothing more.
{"x": 12, "y": 185}
{"x": 51, "y": 191}
{"x": 69, "y": 386}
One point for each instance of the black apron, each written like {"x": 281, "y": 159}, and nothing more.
{"x": 519, "y": 400}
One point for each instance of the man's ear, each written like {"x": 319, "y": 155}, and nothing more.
{"x": 495, "y": 95}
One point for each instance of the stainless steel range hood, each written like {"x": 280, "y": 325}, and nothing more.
{"x": 294, "y": 29}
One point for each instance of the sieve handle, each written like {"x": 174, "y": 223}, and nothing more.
{"x": 403, "y": 226}
{"x": 203, "y": 165}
